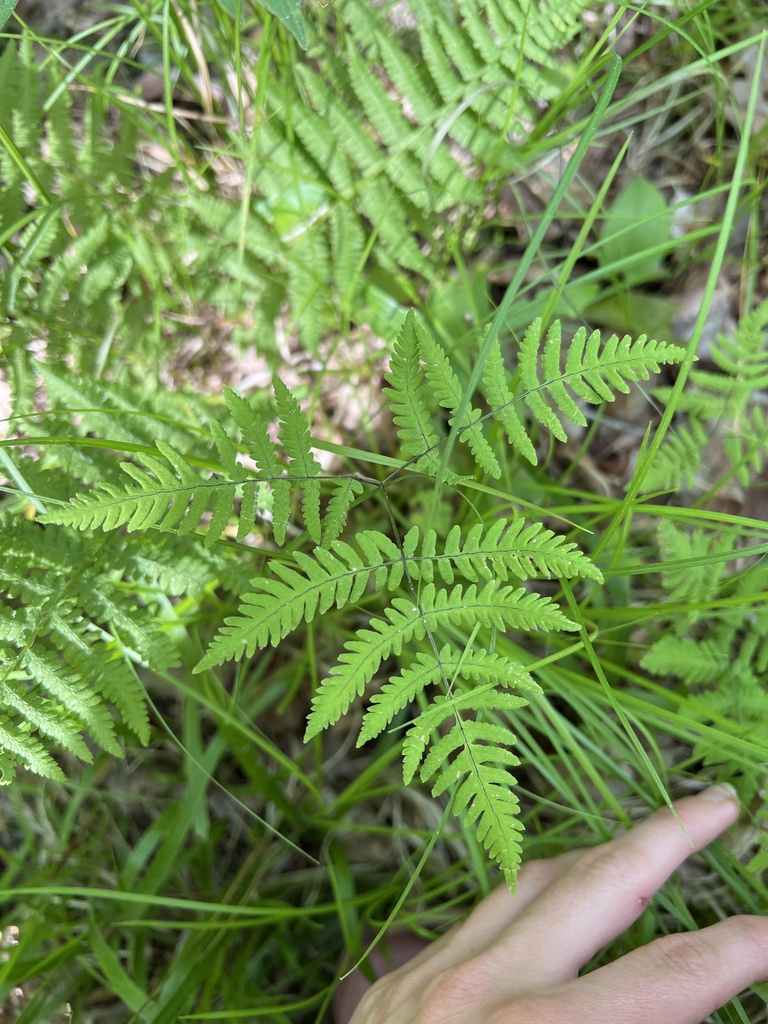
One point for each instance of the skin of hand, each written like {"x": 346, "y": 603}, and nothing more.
{"x": 516, "y": 958}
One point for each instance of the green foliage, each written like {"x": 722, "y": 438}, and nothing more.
{"x": 71, "y": 637}
{"x": 439, "y": 587}
{"x": 720, "y": 403}
{"x": 375, "y": 159}
{"x": 635, "y": 231}
{"x": 6, "y": 10}
{"x": 409, "y": 580}
{"x": 717, "y": 649}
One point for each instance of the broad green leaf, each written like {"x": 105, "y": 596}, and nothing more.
{"x": 6, "y": 10}
{"x": 287, "y": 11}
{"x": 637, "y": 223}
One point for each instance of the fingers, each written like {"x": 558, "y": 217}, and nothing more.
{"x": 603, "y": 892}
{"x": 490, "y": 919}
{"x": 678, "y": 979}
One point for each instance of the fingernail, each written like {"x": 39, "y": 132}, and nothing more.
{"x": 722, "y": 791}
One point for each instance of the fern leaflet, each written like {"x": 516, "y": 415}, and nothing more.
{"x": 502, "y": 607}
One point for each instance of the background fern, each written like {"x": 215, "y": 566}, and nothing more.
{"x": 720, "y": 402}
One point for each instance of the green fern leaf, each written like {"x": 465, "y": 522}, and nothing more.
{"x": 405, "y": 379}
{"x": 171, "y": 497}
{"x": 701, "y": 560}
{"x": 448, "y": 391}
{"x": 341, "y": 501}
{"x": 521, "y": 550}
{"x": 25, "y": 750}
{"x": 502, "y": 607}
{"x": 501, "y": 401}
{"x": 85, "y": 705}
{"x": 295, "y": 438}
{"x": 451, "y": 706}
{"x": 689, "y": 660}
{"x": 278, "y": 606}
{"x": 486, "y": 792}
{"x": 65, "y": 269}
{"x": 724, "y": 398}
{"x": 593, "y": 370}
{"x": 747, "y": 445}
{"x": 46, "y": 716}
{"x": 263, "y": 451}
{"x": 426, "y": 670}
{"x": 743, "y": 359}
{"x": 678, "y": 461}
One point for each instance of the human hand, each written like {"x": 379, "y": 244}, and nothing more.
{"x": 516, "y": 958}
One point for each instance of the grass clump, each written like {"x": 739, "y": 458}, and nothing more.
{"x": 357, "y": 431}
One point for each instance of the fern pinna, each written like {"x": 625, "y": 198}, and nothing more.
{"x": 442, "y": 598}
{"x": 719, "y": 403}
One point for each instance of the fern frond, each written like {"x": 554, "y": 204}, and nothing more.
{"x": 448, "y": 391}
{"x": 339, "y": 505}
{"x": 45, "y": 670}
{"x": 295, "y": 438}
{"x": 506, "y": 548}
{"x": 678, "y": 461}
{"x": 278, "y": 606}
{"x": 21, "y": 748}
{"x": 427, "y": 670}
{"x": 405, "y": 379}
{"x": 746, "y": 445}
{"x": 501, "y": 401}
{"x": 72, "y": 627}
{"x": 448, "y": 706}
{"x": 726, "y": 398}
{"x": 743, "y": 359}
{"x": 695, "y": 581}
{"x": 593, "y": 370}
{"x": 502, "y": 607}
{"x": 171, "y": 496}
{"x": 263, "y": 451}
{"x": 691, "y": 661}
{"x": 338, "y": 575}
{"x": 486, "y": 792}
{"x": 46, "y": 717}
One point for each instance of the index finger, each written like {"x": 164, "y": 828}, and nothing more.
{"x": 607, "y": 888}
